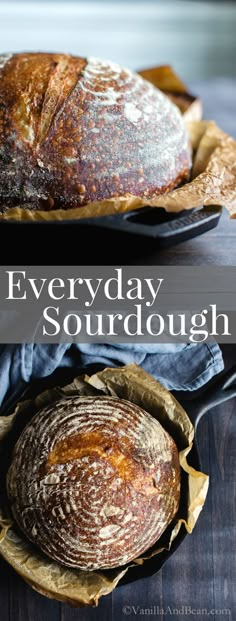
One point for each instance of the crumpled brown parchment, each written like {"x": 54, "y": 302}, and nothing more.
{"x": 77, "y": 587}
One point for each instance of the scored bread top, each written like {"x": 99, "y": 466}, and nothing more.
{"x": 76, "y": 130}
{"x": 94, "y": 481}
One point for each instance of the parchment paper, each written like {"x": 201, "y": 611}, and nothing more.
{"x": 78, "y": 587}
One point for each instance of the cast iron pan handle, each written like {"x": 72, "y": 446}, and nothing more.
{"x": 146, "y": 222}
{"x": 223, "y": 389}
{"x": 188, "y": 224}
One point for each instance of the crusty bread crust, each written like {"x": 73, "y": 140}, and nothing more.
{"x": 75, "y": 131}
{"x": 94, "y": 481}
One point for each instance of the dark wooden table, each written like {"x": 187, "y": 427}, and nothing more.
{"x": 201, "y": 574}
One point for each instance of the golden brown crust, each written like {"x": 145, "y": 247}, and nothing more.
{"x": 75, "y": 131}
{"x": 89, "y": 472}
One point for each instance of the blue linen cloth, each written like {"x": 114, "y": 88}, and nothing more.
{"x": 178, "y": 367}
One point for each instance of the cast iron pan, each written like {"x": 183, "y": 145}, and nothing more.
{"x": 105, "y": 239}
{"x": 221, "y": 390}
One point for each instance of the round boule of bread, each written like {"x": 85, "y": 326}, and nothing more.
{"x": 94, "y": 481}
{"x": 74, "y": 131}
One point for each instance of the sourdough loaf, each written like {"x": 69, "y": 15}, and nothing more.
{"x": 74, "y": 131}
{"x": 94, "y": 481}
